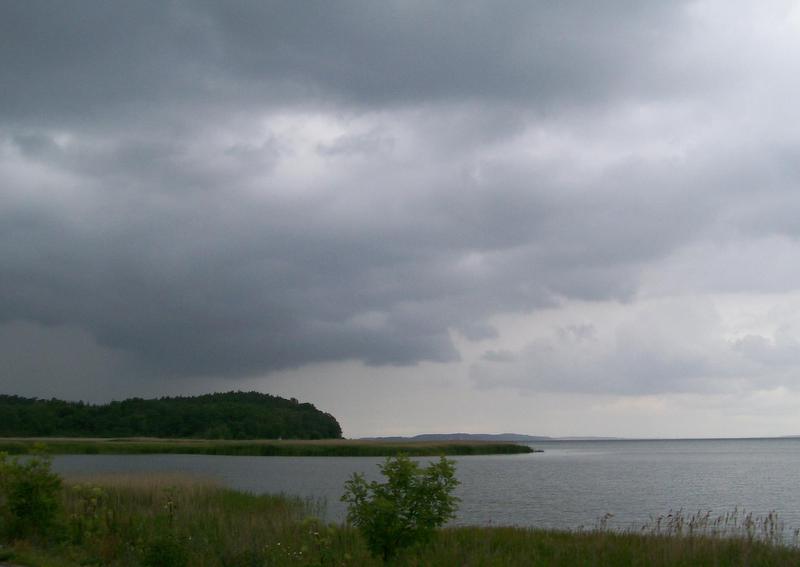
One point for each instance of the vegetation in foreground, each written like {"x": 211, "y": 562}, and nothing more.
{"x": 230, "y": 415}
{"x": 406, "y": 509}
{"x": 267, "y": 448}
{"x": 172, "y": 521}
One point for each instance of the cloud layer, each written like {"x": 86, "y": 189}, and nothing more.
{"x": 234, "y": 189}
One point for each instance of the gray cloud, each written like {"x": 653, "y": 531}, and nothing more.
{"x": 230, "y": 189}
{"x": 60, "y": 61}
{"x": 672, "y": 346}
{"x": 200, "y": 267}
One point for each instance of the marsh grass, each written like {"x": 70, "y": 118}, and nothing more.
{"x": 519, "y": 546}
{"x": 174, "y": 520}
{"x": 266, "y": 448}
{"x": 736, "y": 524}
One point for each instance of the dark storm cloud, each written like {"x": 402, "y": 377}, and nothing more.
{"x": 176, "y": 262}
{"x": 61, "y": 61}
{"x": 234, "y": 188}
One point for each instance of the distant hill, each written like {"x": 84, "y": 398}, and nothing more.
{"x": 231, "y": 415}
{"x": 503, "y": 437}
{"x": 498, "y": 437}
{"x": 591, "y": 438}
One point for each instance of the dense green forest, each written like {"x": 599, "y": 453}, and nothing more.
{"x": 231, "y": 415}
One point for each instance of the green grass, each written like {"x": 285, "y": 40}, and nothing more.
{"x": 127, "y": 521}
{"x": 293, "y": 448}
{"x": 517, "y": 546}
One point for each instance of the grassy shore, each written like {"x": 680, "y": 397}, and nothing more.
{"x": 170, "y": 521}
{"x": 293, "y": 448}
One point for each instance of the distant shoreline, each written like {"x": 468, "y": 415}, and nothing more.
{"x": 483, "y": 437}
{"x": 519, "y": 438}
{"x": 266, "y": 447}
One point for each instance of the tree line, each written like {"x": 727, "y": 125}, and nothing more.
{"x": 230, "y": 415}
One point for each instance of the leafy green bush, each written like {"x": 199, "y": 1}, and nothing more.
{"x": 29, "y": 496}
{"x": 406, "y": 509}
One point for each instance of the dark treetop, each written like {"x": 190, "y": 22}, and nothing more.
{"x": 231, "y": 415}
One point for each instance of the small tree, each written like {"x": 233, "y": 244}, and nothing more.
{"x": 404, "y": 510}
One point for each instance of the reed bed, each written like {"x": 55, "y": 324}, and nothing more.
{"x": 735, "y": 524}
{"x": 173, "y": 520}
{"x": 266, "y": 448}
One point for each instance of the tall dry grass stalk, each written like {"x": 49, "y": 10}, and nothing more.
{"x": 738, "y": 523}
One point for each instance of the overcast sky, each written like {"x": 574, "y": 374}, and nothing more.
{"x": 554, "y": 218}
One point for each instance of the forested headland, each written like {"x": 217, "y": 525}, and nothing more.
{"x": 231, "y": 415}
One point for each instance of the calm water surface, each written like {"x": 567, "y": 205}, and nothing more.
{"x": 571, "y": 484}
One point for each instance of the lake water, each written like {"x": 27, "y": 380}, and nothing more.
{"x": 571, "y": 485}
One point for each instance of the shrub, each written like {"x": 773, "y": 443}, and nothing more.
{"x": 29, "y": 496}
{"x": 406, "y": 509}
